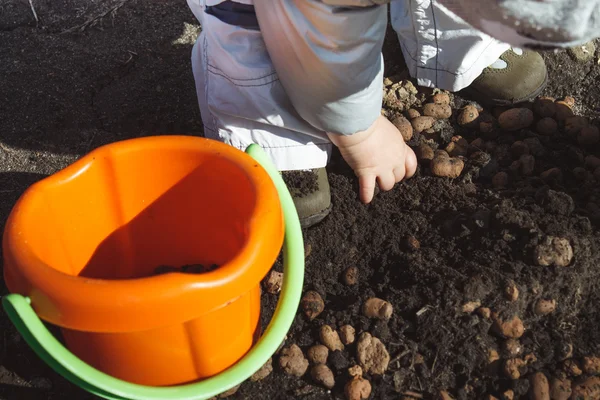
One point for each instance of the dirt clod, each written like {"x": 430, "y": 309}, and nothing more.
{"x": 372, "y": 354}
{"x": 355, "y": 370}
{"x": 424, "y": 153}
{"x": 527, "y": 164}
{"x": 323, "y": 375}
{"x": 445, "y": 166}
{"x": 441, "y": 98}
{"x": 560, "y": 389}
{"x": 512, "y": 368}
{"x": 516, "y": 119}
{"x": 404, "y": 126}
{"x": 511, "y": 292}
{"x": 377, "y": 308}
{"x": 588, "y": 136}
{"x": 312, "y": 304}
{"x": 412, "y": 114}
{"x": 292, "y": 361}
{"x": 563, "y": 111}
{"x": 510, "y": 328}
{"x": 540, "y": 388}
{"x": 468, "y": 116}
{"x": 330, "y": 338}
{"x": 591, "y": 365}
{"x": 544, "y": 107}
{"x": 358, "y": 388}
{"x": 347, "y": 334}
{"x": 588, "y": 389}
{"x": 263, "y": 372}
{"x": 318, "y": 354}
{"x": 553, "y": 251}
{"x": 458, "y": 146}
{"x": 513, "y": 347}
{"x": 572, "y": 368}
{"x": 274, "y": 282}
{"x": 470, "y": 306}
{"x": 437, "y": 111}
{"x": 547, "y": 126}
{"x": 545, "y": 307}
{"x": 351, "y": 276}
{"x": 421, "y": 124}
{"x": 484, "y": 312}
{"x": 574, "y": 125}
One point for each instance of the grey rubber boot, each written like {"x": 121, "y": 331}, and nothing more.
{"x": 517, "y": 76}
{"x": 311, "y": 193}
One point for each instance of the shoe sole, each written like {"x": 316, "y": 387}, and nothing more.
{"x": 314, "y": 219}
{"x": 479, "y": 97}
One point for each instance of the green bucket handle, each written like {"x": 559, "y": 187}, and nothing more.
{"x": 49, "y": 349}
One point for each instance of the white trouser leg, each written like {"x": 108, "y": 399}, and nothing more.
{"x": 242, "y": 101}
{"x": 441, "y": 49}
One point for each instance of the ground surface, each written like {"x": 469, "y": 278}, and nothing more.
{"x": 92, "y": 72}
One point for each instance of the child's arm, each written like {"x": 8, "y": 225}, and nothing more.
{"x": 329, "y": 62}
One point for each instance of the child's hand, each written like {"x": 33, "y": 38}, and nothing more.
{"x": 377, "y": 154}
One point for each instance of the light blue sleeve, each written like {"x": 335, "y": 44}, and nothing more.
{"x": 328, "y": 59}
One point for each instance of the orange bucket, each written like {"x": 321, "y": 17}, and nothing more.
{"x": 84, "y": 243}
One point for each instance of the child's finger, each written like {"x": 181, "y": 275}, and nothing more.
{"x": 410, "y": 163}
{"x": 386, "y": 181}
{"x": 367, "y": 187}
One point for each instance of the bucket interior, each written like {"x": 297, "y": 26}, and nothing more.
{"x": 124, "y": 214}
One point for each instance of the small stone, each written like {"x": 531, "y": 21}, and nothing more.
{"x": 545, "y": 307}
{"x": 444, "y": 166}
{"x": 560, "y": 389}
{"x": 377, "y": 308}
{"x": 330, "y": 338}
{"x": 263, "y": 372}
{"x": 500, "y": 180}
{"x": 572, "y": 368}
{"x": 323, "y": 376}
{"x": 588, "y": 136}
{"x": 540, "y": 388}
{"x": 584, "y": 53}
{"x": 508, "y": 395}
{"x": 292, "y": 361}
{"x": 513, "y": 347}
{"x": 589, "y": 389}
{"x": 512, "y": 328}
{"x": 404, "y": 126}
{"x": 274, "y": 282}
{"x": 493, "y": 356}
{"x": 563, "y": 111}
{"x": 468, "y": 116}
{"x": 519, "y": 149}
{"x": 553, "y": 251}
{"x": 484, "y": 312}
{"x": 516, "y": 119}
{"x": 351, "y": 276}
{"x": 424, "y": 153}
{"x": 372, "y": 354}
{"x": 441, "y": 98}
{"x": 457, "y": 147}
{"x": 547, "y": 126}
{"x": 312, "y": 304}
{"x": 591, "y": 365}
{"x": 357, "y": 388}
{"x": 412, "y": 243}
{"x": 437, "y": 111}
{"x": 592, "y": 162}
{"x": 355, "y": 370}
{"x": 527, "y": 164}
{"x": 511, "y": 292}
{"x": 544, "y": 107}
{"x": 470, "y": 306}
{"x": 421, "y": 124}
{"x": 318, "y": 354}
{"x": 512, "y": 368}
{"x": 347, "y": 334}
{"x": 412, "y": 114}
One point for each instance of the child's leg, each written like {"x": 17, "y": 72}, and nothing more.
{"x": 443, "y": 51}
{"x": 450, "y": 60}
{"x": 241, "y": 99}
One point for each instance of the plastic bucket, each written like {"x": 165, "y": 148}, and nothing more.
{"x": 81, "y": 247}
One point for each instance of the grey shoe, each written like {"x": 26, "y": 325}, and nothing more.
{"x": 311, "y": 193}
{"x": 517, "y": 76}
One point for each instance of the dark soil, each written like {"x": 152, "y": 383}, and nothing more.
{"x": 427, "y": 247}
{"x": 301, "y": 183}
